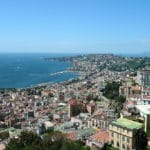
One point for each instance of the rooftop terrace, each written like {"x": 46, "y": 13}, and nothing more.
{"x": 126, "y": 123}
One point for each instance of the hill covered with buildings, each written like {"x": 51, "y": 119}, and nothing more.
{"x": 107, "y": 107}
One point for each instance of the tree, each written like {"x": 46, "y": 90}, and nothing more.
{"x": 4, "y": 135}
{"x": 111, "y": 91}
{"x": 50, "y": 141}
{"x": 26, "y": 141}
{"x": 141, "y": 140}
{"x": 108, "y": 147}
{"x": 50, "y": 116}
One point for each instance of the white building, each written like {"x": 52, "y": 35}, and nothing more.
{"x": 144, "y": 111}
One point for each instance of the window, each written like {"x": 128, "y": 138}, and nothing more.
{"x": 123, "y": 138}
{"x": 112, "y": 134}
{"x": 118, "y": 144}
{"x": 127, "y": 132}
{"x": 128, "y": 140}
{"x": 112, "y": 142}
{"x": 123, "y": 146}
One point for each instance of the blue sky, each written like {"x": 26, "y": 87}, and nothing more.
{"x": 78, "y": 26}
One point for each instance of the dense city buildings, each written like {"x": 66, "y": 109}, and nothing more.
{"x": 105, "y": 107}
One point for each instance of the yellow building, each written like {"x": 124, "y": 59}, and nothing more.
{"x": 122, "y": 133}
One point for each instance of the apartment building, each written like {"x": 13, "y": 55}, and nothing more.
{"x": 122, "y": 133}
{"x": 143, "y": 77}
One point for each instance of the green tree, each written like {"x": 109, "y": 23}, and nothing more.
{"x": 4, "y": 135}
{"x": 141, "y": 140}
{"x": 50, "y": 141}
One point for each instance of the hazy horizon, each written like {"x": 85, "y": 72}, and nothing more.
{"x": 142, "y": 54}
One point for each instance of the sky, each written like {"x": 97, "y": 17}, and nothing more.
{"x": 75, "y": 26}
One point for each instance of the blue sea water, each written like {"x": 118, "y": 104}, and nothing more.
{"x": 25, "y": 70}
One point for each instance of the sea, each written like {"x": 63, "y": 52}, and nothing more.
{"x": 22, "y": 70}
{"x": 18, "y": 70}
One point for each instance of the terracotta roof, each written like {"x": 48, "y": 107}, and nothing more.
{"x": 101, "y": 136}
{"x": 72, "y": 135}
{"x": 72, "y": 102}
{"x": 91, "y": 104}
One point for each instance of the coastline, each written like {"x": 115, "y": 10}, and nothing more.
{"x": 82, "y": 66}
{"x": 33, "y": 70}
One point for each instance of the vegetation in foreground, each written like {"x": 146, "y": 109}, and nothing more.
{"x": 50, "y": 141}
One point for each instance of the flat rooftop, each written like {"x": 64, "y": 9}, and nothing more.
{"x": 126, "y": 123}
{"x": 143, "y": 109}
